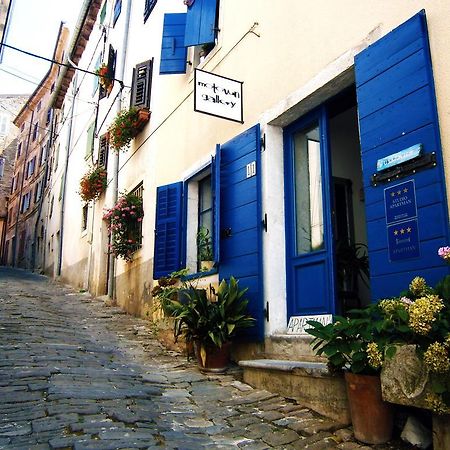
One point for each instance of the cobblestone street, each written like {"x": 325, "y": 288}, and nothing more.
{"x": 77, "y": 374}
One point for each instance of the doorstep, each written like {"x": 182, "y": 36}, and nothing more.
{"x": 309, "y": 382}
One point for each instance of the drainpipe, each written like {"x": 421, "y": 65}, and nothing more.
{"x": 115, "y": 179}
{"x": 16, "y": 226}
{"x": 64, "y": 183}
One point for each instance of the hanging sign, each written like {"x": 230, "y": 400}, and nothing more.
{"x": 218, "y": 96}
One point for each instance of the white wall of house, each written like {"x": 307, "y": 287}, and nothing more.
{"x": 291, "y": 57}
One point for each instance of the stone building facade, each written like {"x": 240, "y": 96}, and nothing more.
{"x": 9, "y": 107}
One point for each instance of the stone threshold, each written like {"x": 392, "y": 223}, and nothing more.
{"x": 307, "y": 368}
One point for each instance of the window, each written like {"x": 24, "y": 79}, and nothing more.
{"x": 52, "y": 201}
{"x": 186, "y": 222}
{"x": 103, "y": 13}
{"x": 103, "y": 150}
{"x": 30, "y": 167}
{"x": 19, "y": 150}
{"x": 142, "y": 84}
{"x": 4, "y": 124}
{"x": 39, "y": 105}
{"x": 148, "y": 8}
{"x": 90, "y": 139}
{"x": 2, "y": 166}
{"x": 117, "y": 11}
{"x": 25, "y": 202}
{"x": 13, "y": 184}
{"x": 56, "y": 157}
{"x": 98, "y": 63}
{"x": 84, "y": 217}
{"x": 49, "y": 116}
{"x": 38, "y": 191}
{"x": 43, "y": 154}
{"x": 35, "y": 131}
{"x": 52, "y": 88}
{"x": 137, "y": 233}
{"x": 200, "y": 222}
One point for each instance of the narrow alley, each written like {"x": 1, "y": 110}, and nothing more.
{"x": 77, "y": 374}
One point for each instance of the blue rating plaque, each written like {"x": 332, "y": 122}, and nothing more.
{"x": 403, "y": 240}
{"x": 400, "y": 202}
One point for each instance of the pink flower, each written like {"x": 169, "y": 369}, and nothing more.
{"x": 444, "y": 253}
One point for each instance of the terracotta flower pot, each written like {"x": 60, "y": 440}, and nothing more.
{"x": 371, "y": 417}
{"x": 216, "y": 359}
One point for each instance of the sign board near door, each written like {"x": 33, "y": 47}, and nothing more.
{"x": 218, "y": 96}
{"x": 299, "y": 325}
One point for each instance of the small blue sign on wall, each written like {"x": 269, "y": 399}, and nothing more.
{"x": 400, "y": 202}
{"x": 403, "y": 240}
{"x": 400, "y": 157}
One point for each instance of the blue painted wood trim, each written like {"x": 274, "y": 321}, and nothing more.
{"x": 173, "y": 51}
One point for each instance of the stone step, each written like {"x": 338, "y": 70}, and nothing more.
{"x": 309, "y": 382}
{"x": 291, "y": 347}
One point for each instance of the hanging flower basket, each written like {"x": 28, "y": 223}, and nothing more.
{"x": 93, "y": 184}
{"x": 124, "y": 226}
{"x": 126, "y": 126}
{"x": 103, "y": 78}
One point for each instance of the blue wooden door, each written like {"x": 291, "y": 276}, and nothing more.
{"x": 309, "y": 241}
{"x": 397, "y": 109}
{"x": 240, "y": 220}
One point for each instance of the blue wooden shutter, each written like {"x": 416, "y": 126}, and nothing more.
{"x": 215, "y": 171}
{"x": 240, "y": 221}
{"x": 397, "y": 109}
{"x": 173, "y": 51}
{"x": 168, "y": 230}
{"x": 201, "y": 23}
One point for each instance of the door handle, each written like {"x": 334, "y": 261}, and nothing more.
{"x": 225, "y": 233}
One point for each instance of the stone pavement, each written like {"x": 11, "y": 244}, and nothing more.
{"x": 77, "y": 374}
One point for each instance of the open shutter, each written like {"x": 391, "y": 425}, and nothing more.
{"x": 167, "y": 256}
{"x": 215, "y": 172}
{"x": 148, "y": 8}
{"x": 240, "y": 221}
{"x": 111, "y": 63}
{"x": 397, "y": 109}
{"x": 173, "y": 51}
{"x": 142, "y": 84}
{"x": 201, "y": 23}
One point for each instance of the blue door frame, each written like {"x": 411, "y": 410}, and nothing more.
{"x": 310, "y": 276}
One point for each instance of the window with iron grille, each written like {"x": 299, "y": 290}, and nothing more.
{"x": 103, "y": 150}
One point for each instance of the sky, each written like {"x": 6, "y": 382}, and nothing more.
{"x": 34, "y": 27}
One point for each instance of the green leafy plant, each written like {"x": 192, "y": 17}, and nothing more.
{"x": 419, "y": 316}
{"x": 124, "y": 225}
{"x": 126, "y": 126}
{"x": 93, "y": 184}
{"x": 207, "y": 321}
{"x": 204, "y": 245}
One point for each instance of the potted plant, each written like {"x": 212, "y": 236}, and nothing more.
{"x": 93, "y": 184}
{"x": 126, "y": 126}
{"x": 210, "y": 323}
{"x": 205, "y": 255}
{"x": 353, "y": 345}
{"x": 124, "y": 226}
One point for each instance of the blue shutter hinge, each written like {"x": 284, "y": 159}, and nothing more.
{"x": 264, "y": 222}
{"x": 263, "y": 142}
{"x": 266, "y": 312}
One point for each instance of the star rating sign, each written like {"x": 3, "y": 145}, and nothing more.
{"x": 402, "y": 231}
